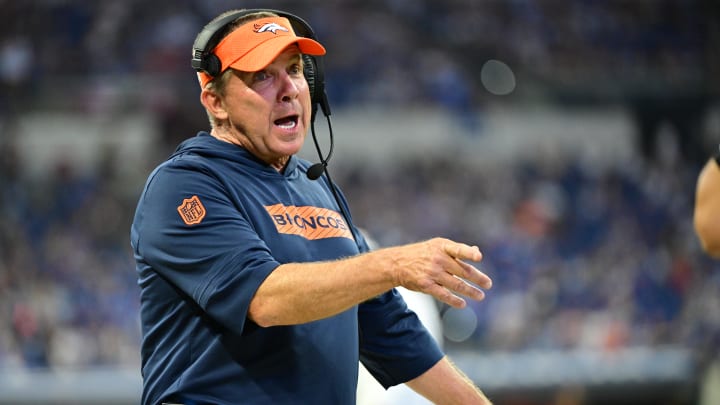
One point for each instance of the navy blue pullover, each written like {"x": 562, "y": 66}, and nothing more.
{"x": 211, "y": 224}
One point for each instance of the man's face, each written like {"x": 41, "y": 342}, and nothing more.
{"x": 269, "y": 111}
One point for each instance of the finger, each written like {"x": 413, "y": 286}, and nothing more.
{"x": 462, "y": 251}
{"x": 446, "y": 296}
{"x": 472, "y": 274}
{"x": 459, "y": 286}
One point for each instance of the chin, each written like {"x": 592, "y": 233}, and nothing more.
{"x": 289, "y": 149}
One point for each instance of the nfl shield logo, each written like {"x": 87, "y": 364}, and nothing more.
{"x": 191, "y": 210}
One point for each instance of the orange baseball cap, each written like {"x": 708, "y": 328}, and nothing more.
{"x": 254, "y": 45}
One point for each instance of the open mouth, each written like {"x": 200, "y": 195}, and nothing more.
{"x": 288, "y": 122}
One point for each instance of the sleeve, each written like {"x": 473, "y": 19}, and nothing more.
{"x": 209, "y": 251}
{"x": 395, "y": 347}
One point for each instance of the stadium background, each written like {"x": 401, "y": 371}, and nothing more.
{"x": 562, "y": 137}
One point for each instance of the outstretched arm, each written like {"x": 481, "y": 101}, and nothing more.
{"x": 302, "y": 292}
{"x": 445, "y": 384}
{"x": 706, "y": 216}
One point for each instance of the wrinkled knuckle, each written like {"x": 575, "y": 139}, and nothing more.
{"x": 447, "y": 296}
{"x": 437, "y": 260}
{"x": 423, "y": 284}
{"x": 438, "y": 243}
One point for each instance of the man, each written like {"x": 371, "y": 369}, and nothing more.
{"x": 706, "y": 216}
{"x": 255, "y": 286}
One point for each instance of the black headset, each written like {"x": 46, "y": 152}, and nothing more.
{"x": 204, "y": 60}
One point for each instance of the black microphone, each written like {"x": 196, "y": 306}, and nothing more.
{"x": 315, "y": 171}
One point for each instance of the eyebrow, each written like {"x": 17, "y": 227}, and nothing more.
{"x": 297, "y": 56}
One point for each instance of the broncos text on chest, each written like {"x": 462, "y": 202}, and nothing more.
{"x": 308, "y": 221}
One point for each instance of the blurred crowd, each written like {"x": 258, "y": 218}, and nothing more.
{"x": 581, "y": 258}
{"x": 389, "y": 51}
{"x": 68, "y": 293}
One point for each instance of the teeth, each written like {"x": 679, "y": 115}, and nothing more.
{"x": 288, "y": 125}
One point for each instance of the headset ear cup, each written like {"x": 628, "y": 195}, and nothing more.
{"x": 314, "y": 75}
{"x": 212, "y": 65}
{"x": 309, "y": 70}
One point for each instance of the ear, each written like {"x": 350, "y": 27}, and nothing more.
{"x": 213, "y": 103}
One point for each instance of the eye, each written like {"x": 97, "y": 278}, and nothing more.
{"x": 295, "y": 69}
{"x": 260, "y": 76}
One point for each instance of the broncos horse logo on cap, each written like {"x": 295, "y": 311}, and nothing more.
{"x": 270, "y": 27}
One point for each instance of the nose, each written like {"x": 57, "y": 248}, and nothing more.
{"x": 289, "y": 87}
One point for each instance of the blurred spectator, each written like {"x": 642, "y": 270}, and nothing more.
{"x": 706, "y": 214}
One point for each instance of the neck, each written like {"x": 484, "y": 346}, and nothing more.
{"x": 224, "y": 135}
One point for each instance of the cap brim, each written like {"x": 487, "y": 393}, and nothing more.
{"x": 262, "y": 55}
